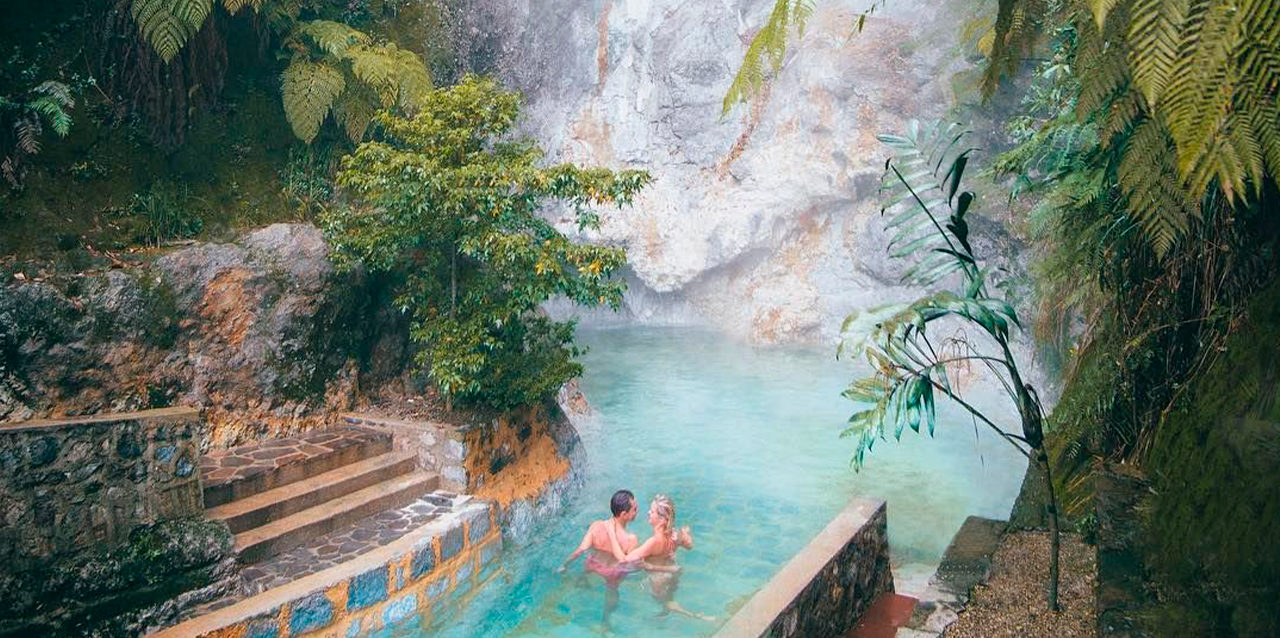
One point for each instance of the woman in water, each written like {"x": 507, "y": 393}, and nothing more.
{"x": 659, "y": 552}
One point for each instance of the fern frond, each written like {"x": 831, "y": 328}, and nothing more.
{"x": 168, "y": 24}
{"x": 1100, "y": 9}
{"x": 51, "y": 110}
{"x": 354, "y": 109}
{"x": 308, "y": 90}
{"x": 234, "y": 6}
{"x": 413, "y": 79}
{"x": 1152, "y": 188}
{"x": 27, "y": 130}
{"x": 58, "y": 91}
{"x": 398, "y": 75}
{"x": 331, "y": 37}
{"x": 1104, "y": 53}
{"x": 1154, "y": 37}
{"x": 769, "y": 44}
{"x": 1018, "y": 27}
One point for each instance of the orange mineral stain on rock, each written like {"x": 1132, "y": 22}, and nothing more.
{"x": 513, "y": 458}
{"x": 225, "y": 305}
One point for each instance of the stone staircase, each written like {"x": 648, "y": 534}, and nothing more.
{"x": 281, "y": 494}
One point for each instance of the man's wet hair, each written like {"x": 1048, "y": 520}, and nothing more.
{"x": 621, "y": 502}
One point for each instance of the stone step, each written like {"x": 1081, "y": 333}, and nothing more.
{"x": 244, "y": 471}
{"x": 274, "y": 504}
{"x": 292, "y": 531}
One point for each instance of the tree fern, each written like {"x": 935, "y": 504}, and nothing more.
{"x": 354, "y": 109}
{"x": 332, "y": 37}
{"x": 52, "y": 104}
{"x": 359, "y": 77}
{"x": 1149, "y": 180}
{"x": 168, "y": 24}
{"x": 308, "y": 90}
{"x": 1196, "y": 79}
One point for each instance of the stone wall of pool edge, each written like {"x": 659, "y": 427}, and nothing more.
{"x": 410, "y": 578}
{"x": 826, "y": 587}
{"x": 79, "y": 484}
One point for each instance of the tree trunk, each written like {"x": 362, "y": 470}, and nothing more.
{"x": 1055, "y": 541}
{"x": 453, "y": 308}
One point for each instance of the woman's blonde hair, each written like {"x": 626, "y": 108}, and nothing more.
{"x": 666, "y": 508}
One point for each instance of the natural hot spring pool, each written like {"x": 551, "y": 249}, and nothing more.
{"x": 744, "y": 439}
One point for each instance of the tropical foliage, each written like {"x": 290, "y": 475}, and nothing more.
{"x": 769, "y": 45}
{"x": 337, "y": 69}
{"x": 448, "y": 200}
{"x": 334, "y": 68}
{"x": 26, "y": 115}
{"x": 1144, "y": 325}
{"x": 910, "y": 367}
{"x": 1183, "y": 92}
{"x": 169, "y": 24}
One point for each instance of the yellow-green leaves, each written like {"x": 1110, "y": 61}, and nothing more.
{"x": 309, "y": 89}
{"x": 368, "y": 76}
{"x": 168, "y": 24}
{"x": 448, "y": 200}
{"x": 1100, "y": 10}
{"x": 1186, "y": 90}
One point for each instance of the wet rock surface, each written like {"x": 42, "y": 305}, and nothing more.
{"x": 260, "y": 332}
{"x": 124, "y": 592}
{"x": 765, "y": 222}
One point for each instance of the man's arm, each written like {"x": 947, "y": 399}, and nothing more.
{"x": 582, "y": 547}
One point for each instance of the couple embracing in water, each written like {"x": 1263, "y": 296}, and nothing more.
{"x": 615, "y": 552}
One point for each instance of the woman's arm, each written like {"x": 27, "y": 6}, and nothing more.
{"x": 643, "y": 551}
{"x": 686, "y": 537}
{"x": 614, "y": 546}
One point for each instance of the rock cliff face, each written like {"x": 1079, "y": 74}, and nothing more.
{"x": 259, "y": 332}
{"x": 764, "y": 223}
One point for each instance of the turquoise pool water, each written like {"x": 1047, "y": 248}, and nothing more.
{"x": 745, "y": 440}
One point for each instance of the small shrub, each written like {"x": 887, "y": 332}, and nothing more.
{"x": 166, "y": 214}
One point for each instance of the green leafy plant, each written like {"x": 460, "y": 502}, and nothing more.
{"x": 168, "y": 24}
{"x": 166, "y": 214}
{"x": 910, "y": 370}
{"x": 449, "y": 201}
{"x": 769, "y": 46}
{"x": 27, "y": 114}
{"x": 337, "y": 69}
{"x": 307, "y": 178}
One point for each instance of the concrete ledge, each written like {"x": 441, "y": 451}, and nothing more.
{"x": 49, "y": 424}
{"x": 384, "y": 586}
{"x": 821, "y": 592}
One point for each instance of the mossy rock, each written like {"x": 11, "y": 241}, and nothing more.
{"x": 102, "y": 593}
{"x": 1215, "y": 470}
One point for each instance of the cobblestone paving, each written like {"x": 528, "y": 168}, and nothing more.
{"x": 344, "y": 544}
{"x": 224, "y": 466}
{"x": 332, "y": 549}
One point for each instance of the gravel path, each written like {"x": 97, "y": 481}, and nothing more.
{"x": 1012, "y": 601}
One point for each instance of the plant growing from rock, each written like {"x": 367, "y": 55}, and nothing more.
{"x": 449, "y": 200}
{"x": 909, "y": 368}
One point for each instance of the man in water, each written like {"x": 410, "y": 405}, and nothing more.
{"x": 601, "y": 560}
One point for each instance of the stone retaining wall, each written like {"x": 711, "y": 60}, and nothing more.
{"x": 439, "y": 447}
{"x": 69, "y": 485}
{"x": 406, "y": 581}
{"x": 528, "y": 461}
{"x": 825, "y": 588}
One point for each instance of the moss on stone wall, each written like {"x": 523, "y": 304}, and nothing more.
{"x": 1215, "y": 470}
{"x": 120, "y": 592}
